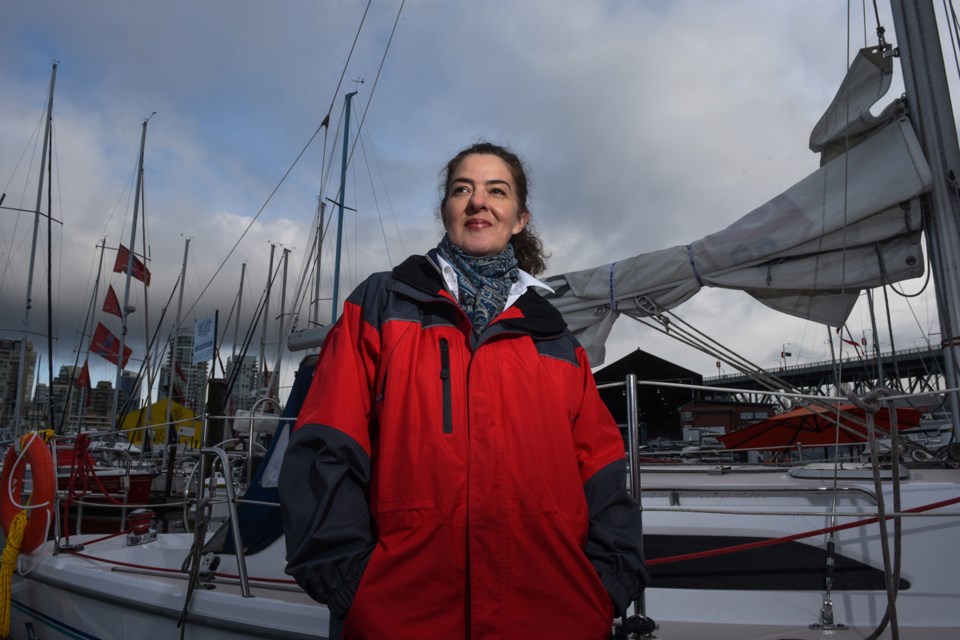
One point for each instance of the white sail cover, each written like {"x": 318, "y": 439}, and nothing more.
{"x": 808, "y": 252}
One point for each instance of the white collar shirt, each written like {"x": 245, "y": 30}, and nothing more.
{"x": 518, "y": 288}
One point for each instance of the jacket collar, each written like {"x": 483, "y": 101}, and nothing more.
{"x": 530, "y": 314}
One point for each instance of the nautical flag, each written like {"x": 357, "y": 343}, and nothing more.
{"x": 179, "y": 396}
{"x": 140, "y": 271}
{"x": 111, "y": 304}
{"x": 853, "y": 343}
{"x": 83, "y": 380}
{"x": 107, "y": 346}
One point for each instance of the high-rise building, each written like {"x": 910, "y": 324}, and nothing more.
{"x": 129, "y": 388}
{"x": 38, "y": 415}
{"x": 101, "y": 399}
{"x": 244, "y": 391}
{"x": 190, "y": 382}
{"x": 67, "y": 399}
{"x": 9, "y": 364}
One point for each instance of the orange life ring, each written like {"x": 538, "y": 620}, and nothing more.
{"x": 36, "y": 455}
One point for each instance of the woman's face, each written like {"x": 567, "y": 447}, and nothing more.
{"x": 481, "y": 212}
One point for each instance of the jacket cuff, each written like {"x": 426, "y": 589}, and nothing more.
{"x": 619, "y": 595}
{"x": 340, "y": 600}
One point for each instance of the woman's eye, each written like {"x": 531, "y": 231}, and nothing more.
{"x": 498, "y": 191}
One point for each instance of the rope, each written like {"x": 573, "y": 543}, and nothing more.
{"x": 891, "y": 570}
{"x": 193, "y": 560}
{"x": 82, "y": 471}
{"x": 8, "y": 562}
{"x": 791, "y": 538}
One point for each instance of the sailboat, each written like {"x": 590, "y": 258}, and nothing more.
{"x": 737, "y": 552}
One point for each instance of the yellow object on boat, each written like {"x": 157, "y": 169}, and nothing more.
{"x": 8, "y": 562}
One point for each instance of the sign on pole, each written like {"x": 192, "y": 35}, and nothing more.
{"x": 204, "y": 338}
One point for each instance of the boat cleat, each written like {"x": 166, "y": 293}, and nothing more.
{"x": 208, "y": 566}
{"x": 826, "y": 622}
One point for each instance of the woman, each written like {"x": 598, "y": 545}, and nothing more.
{"x": 453, "y": 472}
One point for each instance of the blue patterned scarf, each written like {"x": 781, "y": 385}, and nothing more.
{"x": 484, "y": 282}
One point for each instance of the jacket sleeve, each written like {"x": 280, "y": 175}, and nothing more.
{"x": 614, "y": 537}
{"x": 615, "y": 533}
{"x": 324, "y": 480}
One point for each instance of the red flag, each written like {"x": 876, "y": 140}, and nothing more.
{"x": 107, "y": 346}
{"x": 111, "y": 304}
{"x": 852, "y": 343}
{"x": 83, "y": 380}
{"x": 140, "y": 271}
{"x": 179, "y": 395}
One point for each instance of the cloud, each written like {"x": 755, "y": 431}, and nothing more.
{"x": 644, "y": 125}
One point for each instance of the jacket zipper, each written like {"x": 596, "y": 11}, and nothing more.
{"x": 445, "y": 383}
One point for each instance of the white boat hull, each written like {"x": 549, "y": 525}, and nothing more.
{"x": 765, "y": 505}
{"x": 69, "y": 596}
{"x": 78, "y": 596}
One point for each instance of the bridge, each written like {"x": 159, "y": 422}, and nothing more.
{"x": 911, "y": 370}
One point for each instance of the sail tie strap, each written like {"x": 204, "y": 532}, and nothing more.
{"x": 613, "y": 297}
{"x": 693, "y": 265}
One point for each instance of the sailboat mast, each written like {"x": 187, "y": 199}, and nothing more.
{"x": 33, "y": 256}
{"x": 236, "y": 320}
{"x": 175, "y": 345}
{"x": 50, "y": 277}
{"x": 343, "y": 196}
{"x": 130, "y": 259}
{"x": 316, "y": 280}
{"x": 263, "y": 329}
{"x": 281, "y": 329}
{"x": 931, "y": 113}
{"x": 170, "y": 450}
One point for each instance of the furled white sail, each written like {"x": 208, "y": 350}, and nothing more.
{"x": 850, "y": 225}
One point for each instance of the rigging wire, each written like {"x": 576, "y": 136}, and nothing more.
{"x": 33, "y": 148}
{"x": 366, "y": 108}
{"x": 376, "y": 202}
{"x": 393, "y": 216}
{"x": 954, "y": 31}
{"x": 376, "y": 79}
{"x": 880, "y": 30}
{"x": 670, "y": 324}
{"x": 323, "y": 125}
{"x": 302, "y": 285}
{"x": 386, "y": 193}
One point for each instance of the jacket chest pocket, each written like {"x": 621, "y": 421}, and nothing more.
{"x": 446, "y": 391}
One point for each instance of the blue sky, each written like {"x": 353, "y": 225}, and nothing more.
{"x": 644, "y": 124}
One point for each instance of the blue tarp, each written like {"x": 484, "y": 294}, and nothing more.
{"x": 260, "y": 524}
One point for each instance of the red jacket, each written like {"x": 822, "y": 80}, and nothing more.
{"x": 437, "y": 486}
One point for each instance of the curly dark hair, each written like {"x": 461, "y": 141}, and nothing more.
{"x": 527, "y": 245}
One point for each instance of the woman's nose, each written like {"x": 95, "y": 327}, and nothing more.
{"x": 478, "y": 200}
